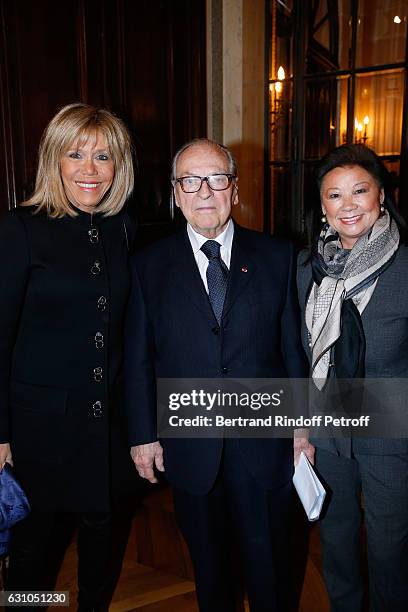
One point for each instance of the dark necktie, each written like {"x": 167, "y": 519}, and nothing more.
{"x": 217, "y": 277}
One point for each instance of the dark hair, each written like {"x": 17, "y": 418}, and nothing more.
{"x": 363, "y": 156}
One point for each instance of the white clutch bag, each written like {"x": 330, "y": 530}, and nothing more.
{"x": 309, "y": 488}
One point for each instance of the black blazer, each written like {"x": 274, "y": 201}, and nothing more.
{"x": 172, "y": 333}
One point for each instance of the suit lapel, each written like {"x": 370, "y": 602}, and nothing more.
{"x": 188, "y": 279}
{"x": 186, "y": 274}
{"x": 242, "y": 268}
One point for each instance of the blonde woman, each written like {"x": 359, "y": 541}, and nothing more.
{"x": 64, "y": 285}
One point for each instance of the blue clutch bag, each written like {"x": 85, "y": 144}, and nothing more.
{"x": 14, "y": 505}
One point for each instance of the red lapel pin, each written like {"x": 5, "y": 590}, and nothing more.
{"x": 244, "y": 269}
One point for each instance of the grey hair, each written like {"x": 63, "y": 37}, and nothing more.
{"x": 232, "y": 164}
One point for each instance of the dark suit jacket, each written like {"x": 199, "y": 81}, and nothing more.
{"x": 172, "y": 333}
{"x": 385, "y": 323}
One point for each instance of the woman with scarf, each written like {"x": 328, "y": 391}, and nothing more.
{"x": 353, "y": 291}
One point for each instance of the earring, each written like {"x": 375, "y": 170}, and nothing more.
{"x": 382, "y": 207}
{"x": 324, "y": 218}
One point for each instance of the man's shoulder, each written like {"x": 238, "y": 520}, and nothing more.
{"x": 262, "y": 240}
{"x": 168, "y": 243}
{"x": 160, "y": 252}
{"x": 304, "y": 272}
{"x": 303, "y": 258}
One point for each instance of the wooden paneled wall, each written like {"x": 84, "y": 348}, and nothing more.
{"x": 143, "y": 59}
{"x": 236, "y": 100}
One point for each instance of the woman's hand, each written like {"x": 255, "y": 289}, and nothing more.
{"x": 5, "y": 455}
{"x": 301, "y": 443}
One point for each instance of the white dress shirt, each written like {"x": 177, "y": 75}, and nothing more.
{"x": 197, "y": 241}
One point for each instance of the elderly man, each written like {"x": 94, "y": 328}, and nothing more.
{"x": 216, "y": 300}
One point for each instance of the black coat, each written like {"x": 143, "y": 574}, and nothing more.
{"x": 172, "y": 333}
{"x": 64, "y": 286}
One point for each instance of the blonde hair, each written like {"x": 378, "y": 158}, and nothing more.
{"x": 73, "y": 124}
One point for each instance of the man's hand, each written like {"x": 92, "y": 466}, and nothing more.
{"x": 145, "y": 456}
{"x": 5, "y": 455}
{"x": 301, "y": 443}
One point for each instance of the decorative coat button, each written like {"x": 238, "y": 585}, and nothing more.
{"x": 224, "y": 370}
{"x": 96, "y": 267}
{"x": 97, "y": 409}
{"x": 99, "y": 343}
{"x": 98, "y": 374}
{"x": 102, "y": 302}
{"x": 93, "y": 235}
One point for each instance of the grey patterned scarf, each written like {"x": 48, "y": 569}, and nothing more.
{"x": 347, "y": 275}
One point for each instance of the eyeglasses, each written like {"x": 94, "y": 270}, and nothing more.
{"x": 216, "y": 182}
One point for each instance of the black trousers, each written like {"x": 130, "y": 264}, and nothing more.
{"x": 30, "y": 547}
{"x": 238, "y": 515}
